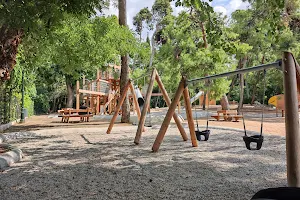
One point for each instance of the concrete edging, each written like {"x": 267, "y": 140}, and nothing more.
{"x": 10, "y": 157}
{"x": 3, "y": 127}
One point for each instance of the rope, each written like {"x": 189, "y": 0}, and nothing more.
{"x": 245, "y": 131}
{"x": 208, "y": 99}
{"x": 263, "y": 108}
{"x": 196, "y": 114}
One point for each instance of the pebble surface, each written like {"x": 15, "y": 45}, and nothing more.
{"x": 87, "y": 163}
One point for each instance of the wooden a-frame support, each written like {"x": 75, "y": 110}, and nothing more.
{"x": 182, "y": 89}
{"x": 129, "y": 85}
{"x": 155, "y": 76}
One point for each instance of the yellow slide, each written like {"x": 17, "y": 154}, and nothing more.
{"x": 276, "y": 100}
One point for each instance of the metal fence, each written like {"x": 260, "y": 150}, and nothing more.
{"x": 9, "y": 106}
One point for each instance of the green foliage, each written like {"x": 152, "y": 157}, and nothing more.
{"x": 143, "y": 16}
{"x": 82, "y": 45}
{"x": 184, "y": 54}
{"x": 31, "y": 14}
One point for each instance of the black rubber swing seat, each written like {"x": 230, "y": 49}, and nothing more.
{"x": 205, "y": 133}
{"x": 281, "y": 193}
{"x": 258, "y": 139}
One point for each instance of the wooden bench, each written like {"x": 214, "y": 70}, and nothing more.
{"x": 217, "y": 117}
{"x": 228, "y": 115}
{"x": 237, "y": 117}
{"x": 83, "y": 114}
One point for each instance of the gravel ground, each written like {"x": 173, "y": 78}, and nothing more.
{"x": 86, "y": 163}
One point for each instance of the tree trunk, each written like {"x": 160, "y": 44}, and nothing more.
{"x": 54, "y": 106}
{"x": 70, "y": 92}
{"x": 205, "y": 46}
{"x": 224, "y": 102}
{"x": 242, "y": 63}
{"x": 124, "y": 65}
{"x": 157, "y": 29}
{"x": 204, "y": 101}
{"x": 254, "y": 86}
{"x": 204, "y": 35}
{"x": 231, "y": 86}
{"x": 9, "y": 43}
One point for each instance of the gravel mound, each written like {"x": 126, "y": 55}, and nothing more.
{"x": 78, "y": 163}
{"x": 17, "y": 135}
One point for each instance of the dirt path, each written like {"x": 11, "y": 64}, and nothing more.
{"x": 274, "y": 126}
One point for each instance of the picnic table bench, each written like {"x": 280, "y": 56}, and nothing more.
{"x": 83, "y": 114}
{"x": 228, "y": 115}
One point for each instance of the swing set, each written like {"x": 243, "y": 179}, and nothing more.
{"x": 142, "y": 114}
{"x": 291, "y": 72}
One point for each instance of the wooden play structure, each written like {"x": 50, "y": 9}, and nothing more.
{"x": 100, "y": 94}
{"x": 278, "y": 102}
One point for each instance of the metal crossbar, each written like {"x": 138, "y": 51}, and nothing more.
{"x": 143, "y": 76}
{"x": 276, "y": 64}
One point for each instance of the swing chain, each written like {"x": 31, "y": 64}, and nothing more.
{"x": 208, "y": 100}
{"x": 263, "y": 102}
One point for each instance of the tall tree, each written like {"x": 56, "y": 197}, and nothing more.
{"x": 142, "y": 16}
{"x": 124, "y": 65}
{"x": 80, "y": 46}
{"x": 18, "y": 18}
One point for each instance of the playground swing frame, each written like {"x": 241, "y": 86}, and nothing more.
{"x": 142, "y": 114}
{"x": 291, "y": 73}
{"x": 155, "y": 77}
{"x": 121, "y": 99}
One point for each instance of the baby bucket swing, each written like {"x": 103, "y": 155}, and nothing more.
{"x": 258, "y": 139}
{"x": 206, "y": 132}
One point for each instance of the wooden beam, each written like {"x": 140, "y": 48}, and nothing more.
{"x": 179, "y": 107}
{"x": 120, "y": 102}
{"x": 163, "y": 129}
{"x": 145, "y": 107}
{"x": 92, "y": 92}
{"x": 98, "y": 90}
{"x": 189, "y": 116}
{"x": 136, "y": 104}
{"x": 291, "y": 120}
{"x": 77, "y": 95}
{"x": 168, "y": 102}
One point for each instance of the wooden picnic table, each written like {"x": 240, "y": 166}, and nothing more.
{"x": 67, "y": 113}
{"x": 228, "y": 115}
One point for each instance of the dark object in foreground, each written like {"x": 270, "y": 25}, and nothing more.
{"x": 258, "y": 139}
{"x": 281, "y": 193}
{"x": 205, "y": 133}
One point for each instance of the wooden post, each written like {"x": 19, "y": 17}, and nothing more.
{"x": 168, "y": 102}
{"x": 77, "y": 95}
{"x": 98, "y": 90}
{"x": 135, "y": 103}
{"x": 291, "y": 120}
{"x": 189, "y": 116}
{"x": 145, "y": 107}
{"x": 161, "y": 134}
{"x": 83, "y": 80}
{"x": 121, "y": 100}
{"x": 107, "y": 74}
{"x": 179, "y": 107}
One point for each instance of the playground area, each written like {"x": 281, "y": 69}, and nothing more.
{"x": 79, "y": 160}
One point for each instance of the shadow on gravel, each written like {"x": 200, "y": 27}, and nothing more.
{"x": 221, "y": 168}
